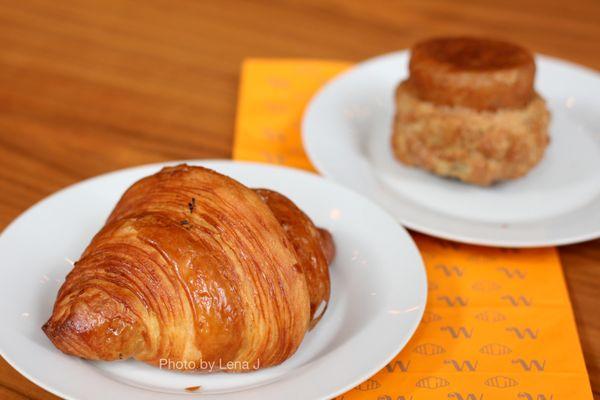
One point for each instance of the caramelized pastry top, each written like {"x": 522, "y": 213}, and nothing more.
{"x": 478, "y": 73}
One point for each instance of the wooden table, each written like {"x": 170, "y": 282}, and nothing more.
{"x": 94, "y": 86}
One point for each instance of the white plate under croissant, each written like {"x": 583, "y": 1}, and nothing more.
{"x": 377, "y": 296}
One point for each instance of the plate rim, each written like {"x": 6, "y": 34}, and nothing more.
{"x": 450, "y": 234}
{"x": 418, "y": 262}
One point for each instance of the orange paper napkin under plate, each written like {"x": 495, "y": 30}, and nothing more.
{"x": 498, "y": 323}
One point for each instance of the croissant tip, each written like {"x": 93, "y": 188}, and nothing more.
{"x": 53, "y": 333}
{"x": 45, "y": 328}
{"x": 48, "y": 329}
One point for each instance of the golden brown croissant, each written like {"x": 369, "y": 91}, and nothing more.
{"x": 193, "y": 270}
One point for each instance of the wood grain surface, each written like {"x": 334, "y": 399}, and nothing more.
{"x": 93, "y": 86}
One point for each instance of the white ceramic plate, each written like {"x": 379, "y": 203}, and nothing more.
{"x": 377, "y": 299}
{"x": 346, "y": 133}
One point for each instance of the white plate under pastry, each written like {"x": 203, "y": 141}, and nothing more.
{"x": 378, "y": 294}
{"x": 346, "y": 133}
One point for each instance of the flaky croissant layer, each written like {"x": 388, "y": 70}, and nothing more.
{"x": 193, "y": 270}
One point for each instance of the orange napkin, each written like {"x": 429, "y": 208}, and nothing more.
{"x": 498, "y": 323}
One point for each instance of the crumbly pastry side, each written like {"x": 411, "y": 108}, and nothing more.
{"x": 479, "y": 147}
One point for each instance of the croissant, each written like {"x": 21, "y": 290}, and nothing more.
{"x": 195, "y": 271}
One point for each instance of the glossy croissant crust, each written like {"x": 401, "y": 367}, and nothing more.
{"x": 196, "y": 269}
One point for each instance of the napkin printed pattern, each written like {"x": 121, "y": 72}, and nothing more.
{"x": 498, "y": 322}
